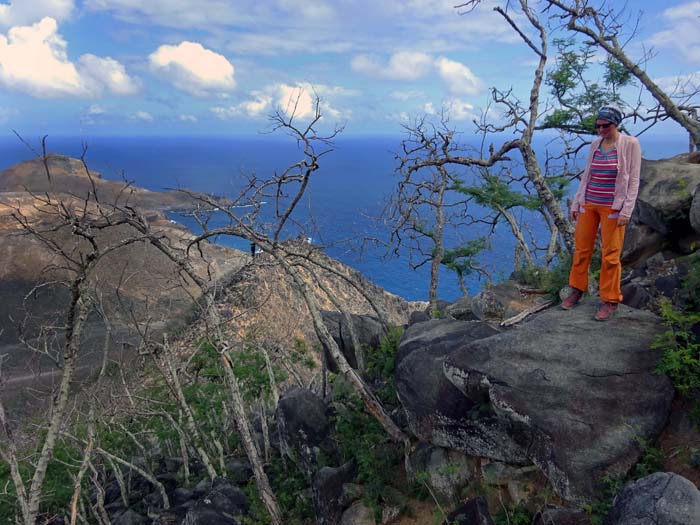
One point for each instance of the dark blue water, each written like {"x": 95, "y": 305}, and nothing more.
{"x": 345, "y": 197}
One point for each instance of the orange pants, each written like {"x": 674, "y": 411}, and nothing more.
{"x": 613, "y": 236}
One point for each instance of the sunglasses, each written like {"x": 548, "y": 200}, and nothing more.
{"x": 604, "y": 126}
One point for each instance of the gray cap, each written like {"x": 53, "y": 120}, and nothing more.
{"x": 611, "y": 113}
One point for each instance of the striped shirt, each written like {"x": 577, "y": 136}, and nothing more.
{"x": 601, "y": 185}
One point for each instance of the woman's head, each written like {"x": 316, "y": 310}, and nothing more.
{"x": 609, "y": 117}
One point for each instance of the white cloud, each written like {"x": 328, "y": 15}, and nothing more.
{"x": 451, "y": 108}
{"x": 680, "y": 85}
{"x": 23, "y": 12}
{"x": 296, "y": 100}
{"x": 683, "y": 34}
{"x": 107, "y": 72}
{"x": 406, "y": 95}
{"x": 309, "y": 9}
{"x": 193, "y": 69}
{"x": 187, "y": 118}
{"x": 288, "y": 26}
{"x": 259, "y": 105}
{"x": 683, "y": 11}
{"x": 410, "y": 66}
{"x": 460, "y": 110}
{"x": 404, "y": 65}
{"x": 6, "y": 114}
{"x": 34, "y": 60}
{"x": 459, "y": 78}
{"x": 142, "y": 115}
{"x": 95, "y": 109}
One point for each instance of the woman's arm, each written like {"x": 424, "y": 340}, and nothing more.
{"x": 634, "y": 166}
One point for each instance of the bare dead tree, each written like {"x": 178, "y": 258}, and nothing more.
{"x": 286, "y": 190}
{"x": 604, "y": 25}
{"x": 84, "y": 218}
{"x": 426, "y": 201}
{"x": 517, "y": 118}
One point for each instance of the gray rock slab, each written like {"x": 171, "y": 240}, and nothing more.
{"x": 662, "y": 498}
{"x": 695, "y": 211}
{"x": 369, "y": 332}
{"x": 303, "y": 424}
{"x": 666, "y": 192}
{"x": 435, "y": 409}
{"x": 568, "y": 393}
{"x": 358, "y": 514}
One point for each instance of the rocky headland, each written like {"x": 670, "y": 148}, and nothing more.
{"x": 550, "y": 416}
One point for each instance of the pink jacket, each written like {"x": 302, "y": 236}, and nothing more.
{"x": 629, "y": 162}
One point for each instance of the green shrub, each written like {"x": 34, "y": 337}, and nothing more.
{"x": 681, "y": 349}
{"x": 360, "y": 437}
{"x": 600, "y": 508}
{"x": 289, "y": 485}
{"x": 381, "y": 362}
{"x": 551, "y": 279}
{"x": 690, "y": 288}
{"x": 516, "y": 514}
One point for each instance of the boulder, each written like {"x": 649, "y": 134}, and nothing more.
{"x": 171, "y": 464}
{"x": 641, "y": 242}
{"x": 358, "y": 514}
{"x": 635, "y": 295}
{"x": 446, "y": 471}
{"x": 461, "y": 309}
{"x": 369, "y": 332}
{"x": 660, "y": 498}
{"x": 575, "y": 403}
{"x": 304, "y": 426}
{"x": 328, "y": 490}
{"x": 350, "y": 494}
{"x": 496, "y": 302}
{"x": 239, "y": 470}
{"x": 433, "y": 406}
{"x": 695, "y": 211}
{"x": 131, "y": 517}
{"x": 180, "y": 496}
{"x": 224, "y": 503}
{"x": 473, "y": 512}
{"x": 418, "y": 316}
{"x": 666, "y": 191}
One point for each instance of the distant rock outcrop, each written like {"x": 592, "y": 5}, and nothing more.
{"x": 70, "y": 176}
{"x": 663, "y": 216}
{"x": 662, "y": 497}
{"x": 569, "y": 394}
{"x": 135, "y": 283}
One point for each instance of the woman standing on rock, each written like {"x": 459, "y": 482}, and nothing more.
{"x": 605, "y": 197}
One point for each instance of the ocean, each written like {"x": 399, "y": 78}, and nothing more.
{"x": 343, "y": 203}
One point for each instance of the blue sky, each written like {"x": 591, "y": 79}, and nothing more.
{"x": 222, "y": 66}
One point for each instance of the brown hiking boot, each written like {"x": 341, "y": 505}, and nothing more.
{"x": 606, "y": 311}
{"x": 572, "y": 300}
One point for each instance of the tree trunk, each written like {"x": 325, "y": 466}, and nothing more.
{"x": 77, "y": 314}
{"x": 372, "y": 404}
{"x": 518, "y": 234}
{"x": 532, "y": 167}
{"x": 196, "y": 436}
{"x": 439, "y": 254}
{"x": 266, "y": 493}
